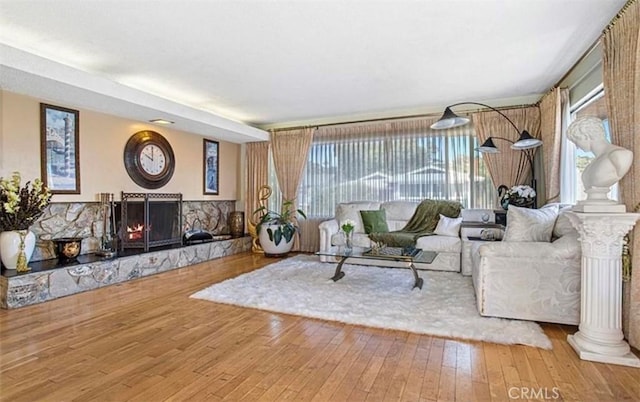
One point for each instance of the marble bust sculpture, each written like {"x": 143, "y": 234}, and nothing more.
{"x": 610, "y": 164}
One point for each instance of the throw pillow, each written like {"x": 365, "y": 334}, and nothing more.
{"x": 525, "y": 224}
{"x": 374, "y": 221}
{"x": 448, "y": 226}
{"x": 563, "y": 225}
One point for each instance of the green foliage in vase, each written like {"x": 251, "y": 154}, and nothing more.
{"x": 20, "y": 206}
{"x": 284, "y": 221}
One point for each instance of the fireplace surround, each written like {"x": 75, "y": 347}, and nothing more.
{"x": 150, "y": 220}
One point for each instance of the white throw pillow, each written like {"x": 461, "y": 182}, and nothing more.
{"x": 448, "y": 226}
{"x": 563, "y": 225}
{"x": 524, "y": 224}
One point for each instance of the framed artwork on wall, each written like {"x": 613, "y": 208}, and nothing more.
{"x": 59, "y": 149}
{"x": 211, "y": 165}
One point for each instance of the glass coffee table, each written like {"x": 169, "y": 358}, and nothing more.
{"x": 410, "y": 256}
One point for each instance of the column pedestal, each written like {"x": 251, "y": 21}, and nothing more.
{"x": 600, "y": 336}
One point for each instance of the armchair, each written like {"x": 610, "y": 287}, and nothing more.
{"x": 537, "y": 281}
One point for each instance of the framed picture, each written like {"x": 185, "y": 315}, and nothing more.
{"x": 59, "y": 149}
{"x": 211, "y": 164}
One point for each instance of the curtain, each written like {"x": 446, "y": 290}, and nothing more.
{"x": 290, "y": 151}
{"x": 393, "y": 160}
{"x": 400, "y": 159}
{"x": 621, "y": 68}
{"x": 552, "y": 109}
{"x": 505, "y": 166}
{"x": 257, "y": 174}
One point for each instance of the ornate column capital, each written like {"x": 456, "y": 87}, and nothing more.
{"x": 601, "y": 233}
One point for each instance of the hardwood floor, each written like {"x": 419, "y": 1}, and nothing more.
{"x": 146, "y": 340}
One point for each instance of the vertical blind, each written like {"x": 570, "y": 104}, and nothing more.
{"x": 398, "y": 160}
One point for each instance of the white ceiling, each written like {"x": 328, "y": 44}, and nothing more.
{"x": 221, "y": 68}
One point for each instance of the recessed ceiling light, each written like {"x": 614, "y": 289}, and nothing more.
{"x": 161, "y": 121}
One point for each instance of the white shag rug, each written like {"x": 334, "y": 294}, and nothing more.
{"x": 373, "y": 297}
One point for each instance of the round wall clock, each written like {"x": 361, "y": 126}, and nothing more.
{"x": 149, "y": 159}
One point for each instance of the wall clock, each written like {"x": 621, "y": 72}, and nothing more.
{"x": 149, "y": 159}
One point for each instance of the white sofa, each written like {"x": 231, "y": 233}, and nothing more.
{"x": 397, "y": 214}
{"x": 538, "y": 281}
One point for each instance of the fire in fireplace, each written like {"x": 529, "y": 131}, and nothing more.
{"x": 136, "y": 232}
{"x": 150, "y": 220}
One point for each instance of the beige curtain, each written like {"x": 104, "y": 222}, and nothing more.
{"x": 388, "y": 160}
{"x": 257, "y": 174}
{"x": 503, "y": 167}
{"x": 621, "y": 68}
{"x": 290, "y": 152}
{"x": 552, "y": 107}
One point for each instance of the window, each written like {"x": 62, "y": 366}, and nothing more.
{"x": 575, "y": 160}
{"x": 393, "y": 161}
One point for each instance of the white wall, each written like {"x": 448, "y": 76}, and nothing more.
{"x": 102, "y": 141}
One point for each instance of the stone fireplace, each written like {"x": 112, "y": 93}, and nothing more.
{"x": 84, "y": 219}
{"x": 50, "y": 279}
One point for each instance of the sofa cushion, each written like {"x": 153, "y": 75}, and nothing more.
{"x": 563, "y": 226}
{"x": 399, "y": 210}
{"x": 448, "y": 226}
{"x": 398, "y": 213}
{"x": 351, "y": 210}
{"x": 374, "y": 221}
{"x": 442, "y": 244}
{"x": 524, "y": 224}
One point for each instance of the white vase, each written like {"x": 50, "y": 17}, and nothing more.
{"x": 269, "y": 246}
{"x": 10, "y": 247}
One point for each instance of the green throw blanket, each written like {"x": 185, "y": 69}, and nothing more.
{"x": 422, "y": 223}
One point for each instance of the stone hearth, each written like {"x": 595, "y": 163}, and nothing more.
{"x": 50, "y": 280}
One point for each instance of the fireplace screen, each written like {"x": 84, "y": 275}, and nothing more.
{"x": 150, "y": 220}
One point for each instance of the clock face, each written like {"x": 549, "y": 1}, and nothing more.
{"x": 152, "y": 159}
{"x": 149, "y": 159}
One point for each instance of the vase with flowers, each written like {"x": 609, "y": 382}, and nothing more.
{"x": 20, "y": 207}
{"x": 347, "y": 228}
{"x": 520, "y": 196}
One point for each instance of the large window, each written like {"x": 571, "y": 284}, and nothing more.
{"x": 576, "y": 159}
{"x": 400, "y": 161}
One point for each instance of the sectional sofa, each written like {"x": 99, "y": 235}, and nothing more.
{"x": 398, "y": 214}
{"x": 530, "y": 280}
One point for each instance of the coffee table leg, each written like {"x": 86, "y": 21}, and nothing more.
{"x": 339, "y": 274}
{"x": 418, "y": 283}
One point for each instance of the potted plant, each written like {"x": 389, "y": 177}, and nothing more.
{"x": 20, "y": 207}
{"x": 276, "y": 230}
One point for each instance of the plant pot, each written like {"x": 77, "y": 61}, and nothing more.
{"x": 271, "y": 249}
{"x": 10, "y": 247}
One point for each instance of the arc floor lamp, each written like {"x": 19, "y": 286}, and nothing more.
{"x": 527, "y": 144}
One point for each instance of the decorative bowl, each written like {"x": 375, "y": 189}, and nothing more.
{"x": 68, "y": 248}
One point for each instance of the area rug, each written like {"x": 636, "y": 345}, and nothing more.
{"x": 373, "y": 297}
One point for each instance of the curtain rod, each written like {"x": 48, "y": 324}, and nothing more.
{"x": 595, "y": 43}
{"x": 618, "y": 16}
{"x": 415, "y": 116}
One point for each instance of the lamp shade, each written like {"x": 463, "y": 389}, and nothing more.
{"x": 449, "y": 120}
{"x": 526, "y": 141}
{"x": 488, "y": 147}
